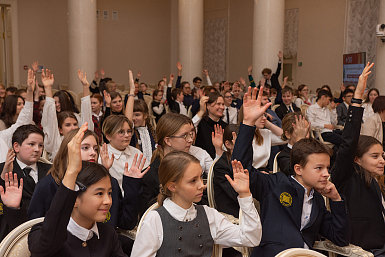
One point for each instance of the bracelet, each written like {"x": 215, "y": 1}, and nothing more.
{"x": 128, "y": 95}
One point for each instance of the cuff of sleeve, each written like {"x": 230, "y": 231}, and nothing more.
{"x": 245, "y": 201}
{"x": 169, "y": 85}
{"x": 29, "y": 104}
{"x": 195, "y": 119}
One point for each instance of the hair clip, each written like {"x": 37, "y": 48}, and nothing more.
{"x": 81, "y": 186}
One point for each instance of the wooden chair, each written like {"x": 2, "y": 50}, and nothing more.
{"x": 167, "y": 108}
{"x": 293, "y": 99}
{"x": 147, "y": 99}
{"x": 316, "y": 133}
{"x": 303, "y": 108}
{"x": 151, "y": 115}
{"x": 121, "y": 87}
{"x": 22, "y": 86}
{"x": 272, "y": 99}
{"x": 299, "y": 252}
{"x": 275, "y": 164}
{"x": 54, "y": 91}
{"x": 189, "y": 112}
{"x": 63, "y": 87}
{"x": 16, "y": 242}
{"x": 275, "y": 107}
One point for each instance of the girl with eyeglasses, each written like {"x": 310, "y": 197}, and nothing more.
{"x": 266, "y": 135}
{"x": 302, "y": 96}
{"x": 118, "y": 130}
{"x": 174, "y": 132}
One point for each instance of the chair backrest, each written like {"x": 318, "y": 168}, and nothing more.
{"x": 167, "y": 108}
{"x": 54, "y": 91}
{"x": 293, "y": 99}
{"x": 121, "y": 87}
{"x": 303, "y": 108}
{"x": 151, "y": 115}
{"x": 189, "y": 112}
{"x": 44, "y": 160}
{"x": 63, "y": 87}
{"x": 272, "y": 99}
{"x": 16, "y": 242}
{"x": 299, "y": 252}
{"x": 152, "y": 207}
{"x": 275, "y": 164}
{"x": 210, "y": 186}
{"x": 275, "y": 107}
{"x": 147, "y": 98}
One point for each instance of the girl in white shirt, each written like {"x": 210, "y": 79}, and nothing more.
{"x": 118, "y": 130}
{"x": 196, "y": 227}
{"x": 57, "y": 124}
{"x": 303, "y": 96}
{"x": 368, "y": 109}
{"x": 264, "y": 139}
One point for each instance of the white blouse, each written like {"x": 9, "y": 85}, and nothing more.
{"x": 202, "y": 155}
{"x": 52, "y": 137}
{"x": 261, "y": 153}
{"x": 368, "y": 111}
{"x": 145, "y": 141}
{"x": 150, "y": 237}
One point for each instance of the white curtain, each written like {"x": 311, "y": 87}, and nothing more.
{"x": 214, "y": 49}
{"x": 361, "y": 30}
{"x": 291, "y": 33}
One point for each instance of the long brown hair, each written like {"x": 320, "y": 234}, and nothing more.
{"x": 257, "y": 135}
{"x": 9, "y": 109}
{"x": 228, "y": 136}
{"x": 115, "y": 95}
{"x": 213, "y": 98}
{"x": 141, "y": 106}
{"x": 168, "y": 125}
{"x": 60, "y": 162}
{"x": 113, "y": 123}
{"x": 364, "y": 145}
{"x": 171, "y": 169}
{"x": 61, "y": 116}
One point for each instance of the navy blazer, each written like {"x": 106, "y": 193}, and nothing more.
{"x": 342, "y": 113}
{"x": 282, "y": 110}
{"x": 281, "y": 201}
{"x": 123, "y": 212}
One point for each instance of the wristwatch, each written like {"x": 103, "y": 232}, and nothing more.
{"x": 356, "y": 101}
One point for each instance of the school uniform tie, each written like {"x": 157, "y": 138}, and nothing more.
{"x": 290, "y": 110}
{"x": 227, "y": 115}
{"x": 29, "y": 181}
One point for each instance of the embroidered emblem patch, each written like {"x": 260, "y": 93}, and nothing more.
{"x": 1, "y": 209}
{"x": 108, "y": 217}
{"x": 285, "y": 199}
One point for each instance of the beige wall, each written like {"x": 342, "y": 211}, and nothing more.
{"x": 43, "y": 37}
{"x": 144, "y": 38}
{"x": 320, "y": 42}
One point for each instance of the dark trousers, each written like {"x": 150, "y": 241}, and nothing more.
{"x": 333, "y": 137}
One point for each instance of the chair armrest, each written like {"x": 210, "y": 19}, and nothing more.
{"x": 350, "y": 250}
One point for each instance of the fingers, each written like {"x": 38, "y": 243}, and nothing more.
{"x": 21, "y": 183}
{"x": 230, "y": 180}
{"x": 125, "y": 167}
{"x": 142, "y": 164}
{"x": 6, "y": 180}
{"x": 134, "y": 161}
{"x": 1, "y": 191}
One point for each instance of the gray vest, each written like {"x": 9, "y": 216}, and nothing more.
{"x": 191, "y": 238}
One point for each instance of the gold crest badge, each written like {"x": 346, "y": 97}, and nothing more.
{"x": 285, "y": 199}
{"x": 108, "y": 217}
{"x": 1, "y": 209}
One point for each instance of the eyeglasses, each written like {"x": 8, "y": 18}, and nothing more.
{"x": 187, "y": 137}
{"x": 122, "y": 133}
{"x": 228, "y": 96}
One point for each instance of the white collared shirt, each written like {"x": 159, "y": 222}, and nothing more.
{"x": 120, "y": 158}
{"x": 290, "y": 146}
{"x": 82, "y": 233}
{"x": 233, "y": 115}
{"x": 145, "y": 141}
{"x": 291, "y": 106}
{"x": 150, "y": 237}
{"x": 306, "y": 208}
{"x": 33, "y": 172}
{"x": 318, "y": 117}
{"x": 368, "y": 111}
{"x": 98, "y": 115}
{"x": 202, "y": 155}
{"x": 182, "y": 108}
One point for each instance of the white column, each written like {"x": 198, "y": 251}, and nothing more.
{"x": 268, "y": 35}
{"x": 191, "y": 38}
{"x": 82, "y": 47}
{"x": 380, "y": 54}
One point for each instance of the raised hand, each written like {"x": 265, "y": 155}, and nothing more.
{"x": 217, "y": 136}
{"x": 361, "y": 85}
{"x": 13, "y": 192}
{"x": 263, "y": 82}
{"x": 301, "y": 129}
{"x": 8, "y": 165}
{"x": 83, "y": 79}
{"x": 206, "y": 72}
{"x": 250, "y": 69}
{"x": 102, "y": 73}
{"x": 47, "y": 78}
{"x": 131, "y": 82}
{"x": 74, "y": 151}
{"x": 285, "y": 82}
{"x": 106, "y": 160}
{"x": 138, "y": 74}
{"x": 329, "y": 191}
{"x": 96, "y": 75}
{"x": 107, "y": 97}
{"x": 31, "y": 81}
{"x": 342, "y": 87}
{"x": 172, "y": 76}
{"x": 35, "y": 66}
{"x": 333, "y": 105}
{"x": 280, "y": 55}
{"x": 252, "y": 107}
{"x": 241, "y": 179}
{"x": 242, "y": 81}
{"x": 179, "y": 66}
{"x": 136, "y": 168}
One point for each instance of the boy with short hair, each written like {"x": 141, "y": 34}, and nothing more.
{"x": 342, "y": 108}
{"x": 142, "y": 91}
{"x": 175, "y": 100}
{"x": 320, "y": 116}
{"x": 293, "y": 211}
{"x": 287, "y": 105}
{"x": 28, "y": 143}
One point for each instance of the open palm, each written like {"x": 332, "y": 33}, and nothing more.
{"x": 136, "y": 168}
{"x": 13, "y": 192}
{"x": 252, "y": 107}
{"x": 240, "y": 183}
{"x": 47, "y": 78}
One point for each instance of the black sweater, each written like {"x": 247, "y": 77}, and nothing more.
{"x": 51, "y": 238}
{"x": 205, "y": 128}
